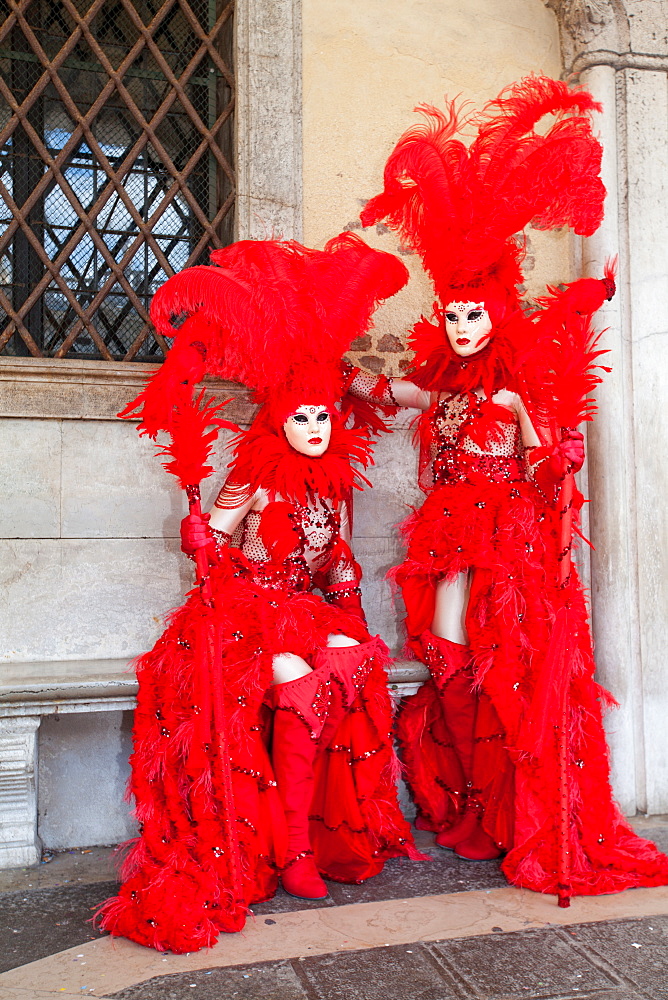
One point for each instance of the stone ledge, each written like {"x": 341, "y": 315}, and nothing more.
{"x": 653, "y": 62}
{"x": 52, "y": 686}
{"x": 48, "y": 686}
{"x": 64, "y": 389}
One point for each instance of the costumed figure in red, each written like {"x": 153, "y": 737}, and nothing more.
{"x": 262, "y": 739}
{"x": 504, "y": 745}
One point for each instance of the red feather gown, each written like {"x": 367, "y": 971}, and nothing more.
{"x": 484, "y": 514}
{"x": 212, "y": 831}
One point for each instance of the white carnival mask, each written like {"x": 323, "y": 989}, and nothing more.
{"x": 468, "y": 327}
{"x": 309, "y": 430}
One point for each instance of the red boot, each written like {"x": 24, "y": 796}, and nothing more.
{"x": 450, "y": 666}
{"x": 463, "y": 828}
{"x": 300, "y": 711}
{"x": 477, "y": 845}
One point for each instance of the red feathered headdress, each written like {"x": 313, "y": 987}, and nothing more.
{"x": 461, "y": 207}
{"x": 275, "y": 316}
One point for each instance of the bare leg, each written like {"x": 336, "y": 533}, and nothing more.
{"x": 289, "y": 667}
{"x": 452, "y": 597}
{"x": 335, "y": 641}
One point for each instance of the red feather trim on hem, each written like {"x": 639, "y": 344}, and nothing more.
{"x": 521, "y": 664}
{"x": 212, "y": 826}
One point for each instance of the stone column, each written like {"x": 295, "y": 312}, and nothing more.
{"x": 620, "y": 50}
{"x": 19, "y": 843}
{"x": 268, "y": 119}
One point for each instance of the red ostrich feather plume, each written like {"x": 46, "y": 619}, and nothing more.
{"x": 459, "y": 207}
{"x": 275, "y": 316}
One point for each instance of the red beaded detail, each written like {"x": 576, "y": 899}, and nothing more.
{"x": 361, "y": 673}
{"x": 323, "y": 699}
{"x": 292, "y": 575}
{"x": 459, "y": 459}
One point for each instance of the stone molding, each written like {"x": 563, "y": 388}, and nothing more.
{"x": 620, "y": 61}
{"x": 50, "y": 687}
{"x": 64, "y": 389}
{"x": 584, "y": 24}
{"x": 53, "y": 687}
{"x": 583, "y": 19}
{"x": 19, "y": 843}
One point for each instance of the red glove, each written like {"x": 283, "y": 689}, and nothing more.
{"x": 195, "y": 533}
{"x": 348, "y": 598}
{"x": 569, "y": 454}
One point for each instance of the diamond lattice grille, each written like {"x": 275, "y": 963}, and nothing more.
{"x": 115, "y": 166}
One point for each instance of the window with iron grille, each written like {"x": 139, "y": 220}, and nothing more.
{"x": 115, "y": 166}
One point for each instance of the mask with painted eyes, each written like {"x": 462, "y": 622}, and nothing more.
{"x": 309, "y": 430}
{"x": 468, "y": 327}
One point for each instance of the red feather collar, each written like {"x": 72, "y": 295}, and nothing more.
{"x": 264, "y": 459}
{"x": 437, "y": 368}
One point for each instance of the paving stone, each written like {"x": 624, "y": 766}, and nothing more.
{"x": 402, "y": 878}
{"x": 532, "y": 963}
{"x": 620, "y": 993}
{"x": 77, "y": 865}
{"x": 405, "y": 971}
{"x": 43, "y": 922}
{"x": 265, "y": 981}
{"x": 636, "y": 949}
{"x": 657, "y": 834}
{"x": 284, "y": 903}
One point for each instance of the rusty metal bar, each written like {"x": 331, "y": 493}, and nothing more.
{"x": 165, "y": 190}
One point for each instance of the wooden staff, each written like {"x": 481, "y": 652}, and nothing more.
{"x": 565, "y": 508}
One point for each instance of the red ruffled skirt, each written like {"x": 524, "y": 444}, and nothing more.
{"x": 212, "y": 830}
{"x": 528, "y": 640}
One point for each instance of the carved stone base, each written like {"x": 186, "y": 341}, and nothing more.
{"x": 19, "y": 843}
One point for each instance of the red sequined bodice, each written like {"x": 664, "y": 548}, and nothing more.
{"x": 317, "y": 529}
{"x": 459, "y": 459}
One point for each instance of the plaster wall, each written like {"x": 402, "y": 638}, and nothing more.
{"x": 366, "y": 66}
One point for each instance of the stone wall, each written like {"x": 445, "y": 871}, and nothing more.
{"x": 89, "y": 557}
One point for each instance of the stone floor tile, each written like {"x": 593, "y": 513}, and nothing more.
{"x": 283, "y": 902}
{"x": 654, "y": 828}
{"x": 636, "y": 949}
{"x": 532, "y": 963}
{"x": 401, "y": 971}
{"x": 402, "y": 878}
{"x": 77, "y": 865}
{"x": 266, "y": 981}
{"x": 619, "y": 993}
{"x": 45, "y": 921}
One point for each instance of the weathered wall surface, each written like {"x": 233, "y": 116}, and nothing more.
{"x": 366, "y": 67}
{"x": 89, "y": 556}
